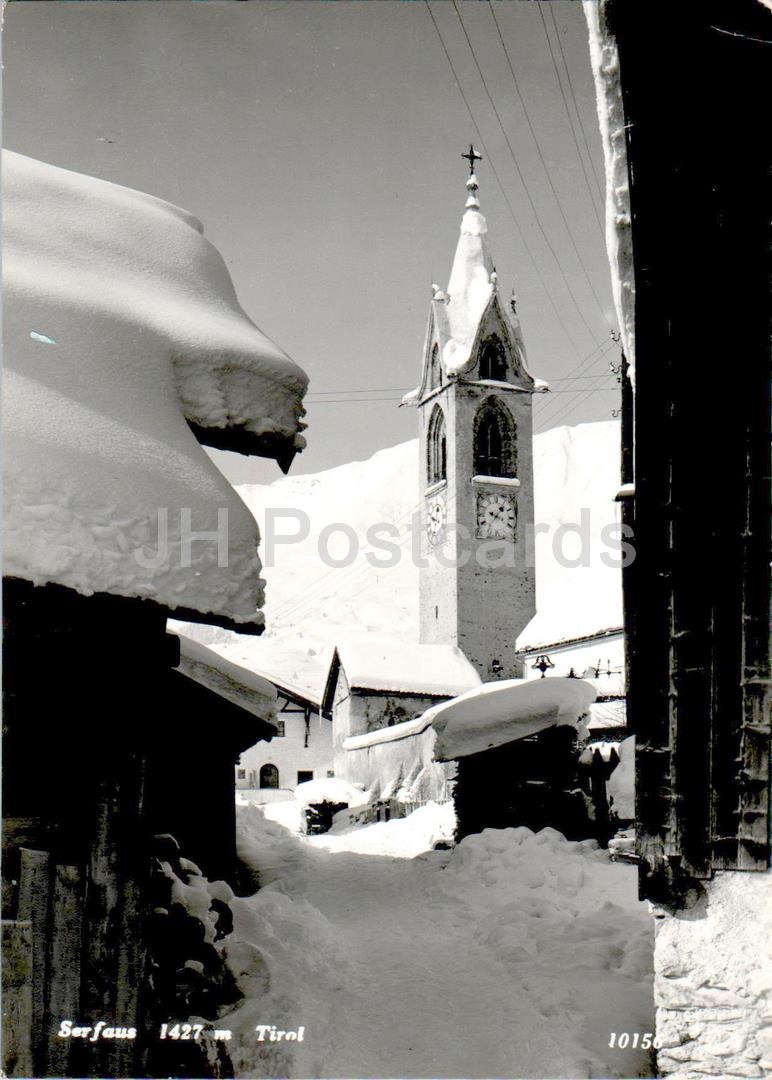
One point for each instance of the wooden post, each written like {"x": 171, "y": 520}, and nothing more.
{"x": 64, "y": 965}
{"x": 35, "y": 906}
{"x": 17, "y": 998}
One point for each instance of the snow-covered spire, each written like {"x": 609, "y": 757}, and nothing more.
{"x": 471, "y": 280}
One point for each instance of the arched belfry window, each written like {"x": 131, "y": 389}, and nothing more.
{"x": 435, "y": 373}
{"x": 436, "y": 447}
{"x": 493, "y": 360}
{"x": 495, "y": 442}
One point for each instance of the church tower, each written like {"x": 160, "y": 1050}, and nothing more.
{"x": 477, "y": 589}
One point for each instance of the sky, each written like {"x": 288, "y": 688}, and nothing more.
{"x": 319, "y": 143}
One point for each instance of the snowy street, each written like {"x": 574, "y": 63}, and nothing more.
{"x": 514, "y": 955}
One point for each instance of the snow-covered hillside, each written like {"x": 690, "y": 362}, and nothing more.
{"x": 310, "y": 606}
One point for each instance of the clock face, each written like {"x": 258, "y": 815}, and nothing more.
{"x": 496, "y": 516}
{"x": 435, "y": 519}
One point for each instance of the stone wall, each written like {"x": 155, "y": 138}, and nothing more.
{"x": 713, "y": 982}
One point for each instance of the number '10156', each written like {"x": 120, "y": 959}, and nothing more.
{"x": 635, "y": 1039}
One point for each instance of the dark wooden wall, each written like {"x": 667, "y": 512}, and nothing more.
{"x": 104, "y": 747}
{"x": 695, "y": 88}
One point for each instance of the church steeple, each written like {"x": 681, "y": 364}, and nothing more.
{"x": 474, "y": 406}
{"x": 471, "y": 282}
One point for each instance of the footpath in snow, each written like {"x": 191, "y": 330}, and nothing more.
{"x": 513, "y": 955}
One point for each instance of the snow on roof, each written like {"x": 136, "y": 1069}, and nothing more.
{"x": 501, "y": 712}
{"x": 329, "y": 789}
{"x": 607, "y": 714}
{"x": 394, "y": 733}
{"x": 236, "y": 684}
{"x": 384, "y": 664}
{"x": 469, "y": 290}
{"x": 123, "y": 328}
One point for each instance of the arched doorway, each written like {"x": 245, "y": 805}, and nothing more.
{"x": 269, "y": 776}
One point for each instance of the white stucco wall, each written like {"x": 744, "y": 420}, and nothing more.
{"x": 289, "y": 754}
{"x": 713, "y": 982}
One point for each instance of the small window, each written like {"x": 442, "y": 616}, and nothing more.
{"x": 304, "y": 775}
{"x": 269, "y": 776}
{"x": 241, "y": 774}
{"x": 435, "y": 372}
{"x": 330, "y": 774}
{"x": 437, "y": 448}
{"x": 280, "y": 732}
{"x": 493, "y": 360}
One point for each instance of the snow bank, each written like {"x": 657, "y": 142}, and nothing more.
{"x": 501, "y": 712}
{"x": 123, "y": 327}
{"x": 564, "y": 921}
{"x": 400, "y": 838}
{"x": 285, "y": 956}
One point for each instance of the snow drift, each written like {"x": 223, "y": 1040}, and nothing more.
{"x": 122, "y": 329}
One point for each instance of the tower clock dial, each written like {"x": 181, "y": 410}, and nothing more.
{"x": 496, "y": 516}
{"x": 435, "y": 519}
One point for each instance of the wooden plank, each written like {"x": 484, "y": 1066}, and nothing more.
{"x": 17, "y": 998}
{"x": 64, "y": 965}
{"x": 35, "y": 906}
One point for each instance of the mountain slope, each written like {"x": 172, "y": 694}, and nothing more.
{"x": 311, "y": 604}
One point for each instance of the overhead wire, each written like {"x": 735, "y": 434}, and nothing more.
{"x": 567, "y": 110}
{"x": 540, "y": 154}
{"x": 519, "y": 171}
{"x": 502, "y": 189}
{"x": 574, "y": 99}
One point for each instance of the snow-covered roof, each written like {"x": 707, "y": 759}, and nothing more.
{"x": 122, "y": 332}
{"x": 384, "y": 664}
{"x": 502, "y": 712}
{"x": 236, "y": 684}
{"x": 404, "y": 730}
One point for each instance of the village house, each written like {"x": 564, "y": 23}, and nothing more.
{"x": 125, "y": 348}
{"x": 599, "y": 659}
{"x": 301, "y": 749}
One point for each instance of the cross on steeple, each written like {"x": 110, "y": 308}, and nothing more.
{"x": 471, "y": 156}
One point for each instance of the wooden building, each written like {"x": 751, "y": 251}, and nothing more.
{"x": 683, "y": 92}
{"x": 117, "y": 761}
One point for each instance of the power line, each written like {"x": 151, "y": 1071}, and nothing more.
{"x": 565, "y": 411}
{"x": 504, "y": 195}
{"x": 608, "y": 348}
{"x": 544, "y": 164}
{"x": 582, "y": 128}
{"x": 522, "y": 178}
{"x": 390, "y": 400}
{"x": 568, "y": 113}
